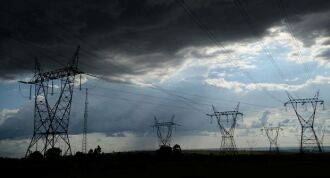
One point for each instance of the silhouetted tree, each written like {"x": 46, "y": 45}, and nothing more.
{"x": 177, "y": 149}
{"x": 36, "y": 156}
{"x": 79, "y": 154}
{"x": 53, "y": 153}
{"x": 164, "y": 150}
{"x": 97, "y": 150}
{"x": 90, "y": 152}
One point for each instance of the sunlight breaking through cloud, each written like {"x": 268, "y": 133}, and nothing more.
{"x": 243, "y": 87}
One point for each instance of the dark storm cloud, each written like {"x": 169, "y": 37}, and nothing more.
{"x": 131, "y": 37}
{"x": 325, "y": 54}
{"x": 327, "y": 42}
{"x": 19, "y": 125}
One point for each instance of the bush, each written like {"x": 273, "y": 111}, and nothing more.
{"x": 90, "y": 152}
{"x": 177, "y": 149}
{"x": 164, "y": 150}
{"x": 53, "y": 153}
{"x": 36, "y": 156}
{"x": 97, "y": 150}
{"x": 79, "y": 154}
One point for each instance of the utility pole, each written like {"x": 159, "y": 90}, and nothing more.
{"x": 84, "y": 141}
{"x": 309, "y": 141}
{"x": 227, "y": 123}
{"x": 164, "y": 127}
{"x": 272, "y": 134}
{"x": 52, "y": 113}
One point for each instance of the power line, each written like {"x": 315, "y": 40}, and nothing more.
{"x": 37, "y": 27}
{"x": 181, "y": 97}
{"x": 65, "y": 29}
{"x": 213, "y": 39}
{"x": 248, "y": 19}
{"x": 74, "y": 35}
{"x": 282, "y": 8}
{"x": 135, "y": 102}
{"x": 27, "y": 43}
{"x": 162, "y": 90}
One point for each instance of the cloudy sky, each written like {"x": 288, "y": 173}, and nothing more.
{"x": 164, "y": 57}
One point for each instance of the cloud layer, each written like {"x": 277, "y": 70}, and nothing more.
{"x": 129, "y": 39}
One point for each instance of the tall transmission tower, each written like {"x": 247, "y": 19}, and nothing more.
{"x": 227, "y": 123}
{"x": 272, "y": 134}
{"x": 164, "y": 127}
{"x": 309, "y": 141}
{"x": 52, "y": 113}
{"x": 84, "y": 141}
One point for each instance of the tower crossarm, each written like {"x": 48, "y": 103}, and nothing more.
{"x": 54, "y": 75}
{"x": 230, "y": 113}
{"x": 226, "y": 113}
{"x": 303, "y": 101}
{"x": 164, "y": 124}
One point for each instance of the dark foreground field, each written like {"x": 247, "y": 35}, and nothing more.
{"x": 188, "y": 164}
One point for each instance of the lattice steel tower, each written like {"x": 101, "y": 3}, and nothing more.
{"x": 227, "y": 123}
{"x": 164, "y": 127}
{"x": 272, "y": 134}
{"x": 51, "y": 121}
{"x": 309, "y": 141}
{"x": 84, "y": 141}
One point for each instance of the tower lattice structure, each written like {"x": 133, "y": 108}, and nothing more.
{"x": 164, "y": 131}
{"x": 272, "y": 134}
{"x": 227, "y": 122}
{"x": 309, "y": 141}
{"x": 84, "y": 140}
{"x": 52, "y": 113}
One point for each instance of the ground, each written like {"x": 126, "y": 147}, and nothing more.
{"x": 188, "y": 164}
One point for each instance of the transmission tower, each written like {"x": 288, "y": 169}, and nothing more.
{"x": 227, "y": 123}
{"x": 52, "y": 113}
{"x": 272, "y": 134}
{"x": 164, "y": 127}
{"x": 308, "y": 139}
{"x": 84, "y": 141}
{"x": 323, "y": 131}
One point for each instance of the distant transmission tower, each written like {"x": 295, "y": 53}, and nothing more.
{"x": 322, "y": 138}
{"x": 308, "y": 139}
{"x": 251, "y": 143}
{"x": 84, "y": 141}
{"x": 272, "y": 134}
{"x": 227, "y": 123}
{"x": 51, "y": 121}
{"x": 164, "y": 127}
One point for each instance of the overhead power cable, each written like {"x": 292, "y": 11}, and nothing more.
{"x": 213, "y": 39}
{"x": 293, "y": 38}
{"x": 248, "y": 19}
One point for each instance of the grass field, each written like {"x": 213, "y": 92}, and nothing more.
{"x": 197, "y": 163}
